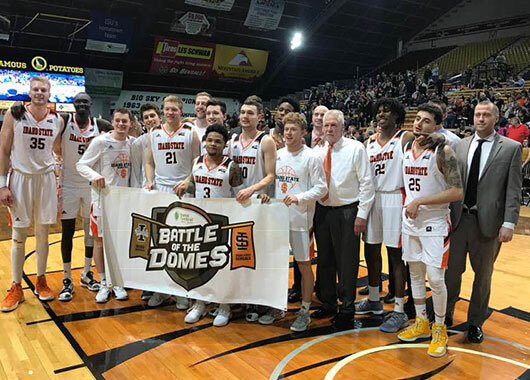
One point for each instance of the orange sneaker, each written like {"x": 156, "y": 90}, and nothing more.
{"x": 13, "y": 298}
{"x": 42, "y": 290}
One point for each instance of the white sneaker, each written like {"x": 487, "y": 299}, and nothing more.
{"x": 182, "y": 303}
{"x": 157, "y": 299}
{"x": 270, "y": 316}
{"x": 196, "y": 312}
{"x": 103, "y": 294}
{"x": 223, "y": 315}
{"x": 120, "y": 293}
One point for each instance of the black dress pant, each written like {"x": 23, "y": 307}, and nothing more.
{"x": 338, "y": 254}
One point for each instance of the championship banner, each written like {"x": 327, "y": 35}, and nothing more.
{"x": 218, "y": 5}
{"x": 103, "y": 83}
{"x": 237, "y": 62}
{"x": 193, "y": 23}
{"x": 264, "y": 14}
{"x": 109, "y": 34}
{"x": 215, "y": 250}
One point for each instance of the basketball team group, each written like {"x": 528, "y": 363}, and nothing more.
{"x": 430, "y": 197}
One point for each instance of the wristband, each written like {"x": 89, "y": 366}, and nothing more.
{"x": 3, "y": 181}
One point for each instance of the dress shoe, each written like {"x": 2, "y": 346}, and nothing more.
{"x": 474, "y": 334}
{"x": 448, "y": 321}
{"x": 322, "y": 313}
{"x": 343, "y": 321}
{"x": 294, "y": 296}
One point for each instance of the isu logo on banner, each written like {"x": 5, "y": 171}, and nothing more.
{"x": 190, "y": 244}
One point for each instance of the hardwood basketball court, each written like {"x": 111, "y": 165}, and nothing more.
{"x": 127, "y": 340}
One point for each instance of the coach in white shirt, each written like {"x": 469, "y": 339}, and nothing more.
{"x": 340, "y": 218}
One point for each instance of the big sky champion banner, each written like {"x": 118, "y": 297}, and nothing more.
{"x": 207, "y": 61}
{"x": 215, "y": 250}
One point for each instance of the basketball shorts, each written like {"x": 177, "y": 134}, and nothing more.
{"x": 302, "y": 245}
{"x": 34, "y": 198}
{"x": 74, "y": 198}
{"x": 430, "y": 250}
{"x": 384, "y": 220}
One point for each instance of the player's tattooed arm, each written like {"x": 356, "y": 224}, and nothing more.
{"x": 448, "y": 165}
{"x": 235, "y": 176}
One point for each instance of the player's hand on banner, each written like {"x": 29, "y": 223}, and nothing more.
{"x": 244, "y": 194}
{"x": 359, "y": 226}
{"x": 149, "y": 186}
{"x": 6, "y": 199}
{"x": 264, "y": 198}
{"x": 17, "y": 110}
{"x": 180, "y": 188}
{"x": 505, "y": 235}
{"x": 99, "y": 182}
{"x": 412, "y": 209}
{"x": 290, "y": 199}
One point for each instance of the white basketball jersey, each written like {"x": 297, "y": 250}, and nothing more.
{"x": 212, "y": 182}
{"x": 74, "y": 143}
{"x": 386, "y": 162}
{"x": 249, "y": 159}
{"x": 112, "y": 159}
{"x": 293, "y": 177}
{"x": 172, "y": 154}
{"x": 31, "y": 152}
{"x": 422, "y": 177}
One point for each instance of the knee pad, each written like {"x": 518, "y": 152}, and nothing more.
{"x": 436, "y": 279}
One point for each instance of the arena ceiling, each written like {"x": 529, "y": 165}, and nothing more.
{"x": 340, "y": 36}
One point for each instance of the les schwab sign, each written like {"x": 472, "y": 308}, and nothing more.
{"x": 39, "y": 63}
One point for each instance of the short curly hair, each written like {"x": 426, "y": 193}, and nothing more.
{"x": 393, "y": 105}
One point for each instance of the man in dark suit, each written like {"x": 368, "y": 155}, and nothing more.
{"x": 490, "y": 166}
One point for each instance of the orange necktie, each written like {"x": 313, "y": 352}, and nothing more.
{"x": 327, "y": 170}
{"x": 317, "y": 141}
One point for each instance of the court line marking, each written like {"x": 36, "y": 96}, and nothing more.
{"x": 337, "y": 367}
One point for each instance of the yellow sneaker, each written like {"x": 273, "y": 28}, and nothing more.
{"x": 438, "y": 345}
{"x": 420, "y": 329}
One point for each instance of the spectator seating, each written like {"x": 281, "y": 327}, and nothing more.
{"x": 518, "y": 55}
{"x": 413, "y": 60}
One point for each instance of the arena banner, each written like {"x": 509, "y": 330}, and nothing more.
{"x": 264, "y": 14}
{"x": 218, "y": 5}
{"x": 237, "y": 62}
{"x": 206, "y": 60}
{"x": 103, "y": 83}
{"x": 193, "y": 23}
{"x": 133, "y": 100}
{"x": 215, "y": 250}
{"x": 108, "y": 33}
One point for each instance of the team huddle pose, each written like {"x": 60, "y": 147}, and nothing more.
{"x": 396, "y": 190}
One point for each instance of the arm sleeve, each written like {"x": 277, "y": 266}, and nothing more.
{"x": 366, "y": 185}
{"x": 317, "y": 180}
{"x": 88, "y": 160}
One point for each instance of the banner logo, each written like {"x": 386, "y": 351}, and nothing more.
{"x": 240, "y": 59}
{"x": 39, "y": 63}
{"x": 190, "y": 244}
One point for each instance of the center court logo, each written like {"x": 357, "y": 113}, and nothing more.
{"x": 189, "y": 244}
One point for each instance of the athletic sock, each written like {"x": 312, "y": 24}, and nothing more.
{"x": 103, "y": 279}
{"x": 67, "y": 270}
{"x": 421, "y": 311}
{"x": 373, "y": 293}
{"x": 88, "y": 264}
{"x": 306, "y": 305}
{"x": 399, "y": 305}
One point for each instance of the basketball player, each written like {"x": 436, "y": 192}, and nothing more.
{"x": 385, "y": 151}
{"x": 30, "y": 194}
{"x": 300, "y": 182}
{"x": 171, "y": 150}
{"x": 215, "y": 114}
{"x": 200, "y": 113}
{"x": 214, "y": 175}
{"x": 432, "y": 181}
{"x": 107, "y": 161}
{"x": 79, "y": 130}
{"x": 255, "y": 153}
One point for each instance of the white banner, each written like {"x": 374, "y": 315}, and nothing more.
{"x": 219, "y": 5}
{"x": 215, "y": 250}
{"x": 133, "y": 100}
{"x": 103, "y": 83}
{"x": 264, "y": 14}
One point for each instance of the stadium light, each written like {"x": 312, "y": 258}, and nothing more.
{"x": 296, "y": 41}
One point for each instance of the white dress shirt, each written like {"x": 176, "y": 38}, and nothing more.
{"x": 484, "y": 155}
{"x": 351, "y": 176}
{"x": 451, "y": 138}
